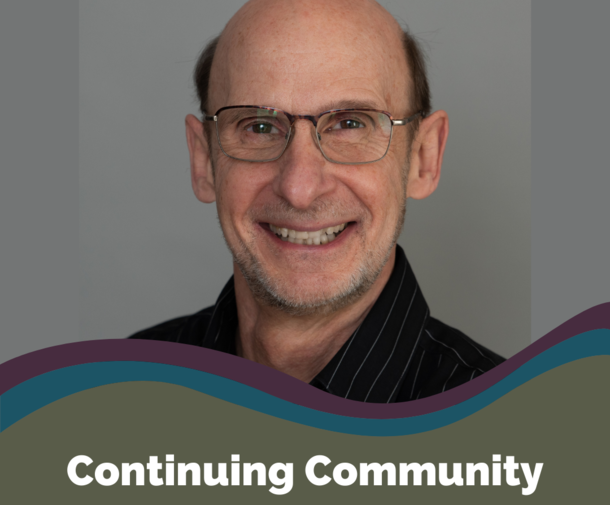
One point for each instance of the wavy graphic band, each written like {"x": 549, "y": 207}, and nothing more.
{"x": 30, "y": 382}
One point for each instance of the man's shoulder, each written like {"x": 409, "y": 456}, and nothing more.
{"x": 178, "y": 329}
{"x": 446, "y": 358}
{"x": 449, "y": 341}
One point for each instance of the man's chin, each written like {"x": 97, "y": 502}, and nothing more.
{"x": 308, "y": 304}
{"x": 313, "y": 288}
{"x": 307, "y": 296}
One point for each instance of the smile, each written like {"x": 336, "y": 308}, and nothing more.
{"x": 319, "y": 237}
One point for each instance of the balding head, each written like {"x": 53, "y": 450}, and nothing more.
{"x": 309, "y": 46}
{"x": 311, "y": 39}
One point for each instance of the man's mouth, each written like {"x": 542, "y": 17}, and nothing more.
{"x": 318, "y": 237}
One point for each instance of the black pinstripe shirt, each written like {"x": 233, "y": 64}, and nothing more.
{"x": 398, "y": 353}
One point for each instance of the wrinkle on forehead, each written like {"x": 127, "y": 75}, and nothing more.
{"x": 309, "y": 39}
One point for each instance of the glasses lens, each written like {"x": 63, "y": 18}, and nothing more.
{"x": 355, "y": 136}
{"x": 253, "y": 134}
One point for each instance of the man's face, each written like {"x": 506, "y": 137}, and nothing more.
{"x": 305, "y": 60}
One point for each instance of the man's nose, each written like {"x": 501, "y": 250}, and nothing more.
{"x": 303, "y": 175}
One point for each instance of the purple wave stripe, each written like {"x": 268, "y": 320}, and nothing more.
{"x": 275, "y": 383}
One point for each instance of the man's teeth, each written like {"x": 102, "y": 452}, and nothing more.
{"x": 319, "y": 237}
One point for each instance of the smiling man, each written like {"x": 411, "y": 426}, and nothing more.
{"x": 316, "y": 127}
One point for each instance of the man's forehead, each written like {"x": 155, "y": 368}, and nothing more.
{"x": 263, "y": 16}
{"x": 309, "y": 50}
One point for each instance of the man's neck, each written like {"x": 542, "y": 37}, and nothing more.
{"x": 300, "y": 346}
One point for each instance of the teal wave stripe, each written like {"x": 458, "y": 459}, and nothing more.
{"x": 44, "y": 389}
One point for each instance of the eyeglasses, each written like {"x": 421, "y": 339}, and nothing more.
{"x": 346, "y": 136}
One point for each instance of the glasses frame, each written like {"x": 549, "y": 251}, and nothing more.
{"x": 314, "y": 119}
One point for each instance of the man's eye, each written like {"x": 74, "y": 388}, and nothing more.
{"x": 348, "y": 124}
{"x": 262, "y": 128}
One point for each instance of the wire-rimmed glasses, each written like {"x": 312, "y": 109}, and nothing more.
{"x": 346, "y": 136}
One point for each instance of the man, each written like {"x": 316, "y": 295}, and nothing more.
{"x": 316, "y": 128}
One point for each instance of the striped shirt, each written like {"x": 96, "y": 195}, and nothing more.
{"x": 399, "y": 352}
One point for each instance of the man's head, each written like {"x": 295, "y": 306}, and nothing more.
{"x": 306, "y": 57}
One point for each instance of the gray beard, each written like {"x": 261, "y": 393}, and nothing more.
{"x": 267, "y": 292}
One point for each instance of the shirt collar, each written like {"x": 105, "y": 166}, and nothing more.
{"x": 372, "y": 363}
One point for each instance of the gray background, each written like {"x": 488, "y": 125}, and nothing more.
{"x": 39, "y": 145}
{"x": 150, "y": 251}
{"x": 571, "y": 168}
{"x": 38, "y": 175}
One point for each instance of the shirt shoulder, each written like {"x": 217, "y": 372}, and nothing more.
{"x": 185, "y": 329}
{"x": 444, "y": 358}
{"x": 451, "y": 342}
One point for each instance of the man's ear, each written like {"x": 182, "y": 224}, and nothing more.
{"x": 202, "y": 177}
{"x": 427, "y": 155}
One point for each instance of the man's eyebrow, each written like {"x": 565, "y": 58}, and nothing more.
{"x": 351, "y": 104}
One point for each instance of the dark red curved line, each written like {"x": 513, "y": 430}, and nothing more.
{"x": 271, "y": 381}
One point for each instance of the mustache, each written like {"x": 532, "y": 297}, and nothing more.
{"x": 319, "y": 210}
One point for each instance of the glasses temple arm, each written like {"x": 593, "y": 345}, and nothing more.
{"x": 400, "y": 122}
